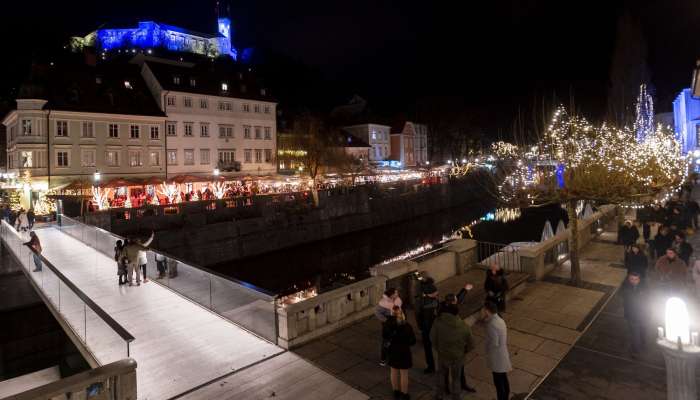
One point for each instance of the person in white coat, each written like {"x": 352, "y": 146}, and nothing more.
{"x": 136, "y": 254}
{"x": 23, "y": 221}
{"x": 497, "y": 357}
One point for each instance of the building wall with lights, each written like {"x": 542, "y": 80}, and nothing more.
{"x": 150, "y": 35}
{"x": 686, "y": 117}
{"x": 377, "y": 136}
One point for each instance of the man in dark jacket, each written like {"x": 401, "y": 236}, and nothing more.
{"x": 452, "y": 300}
{"x": 426, "y": 313}
{"x": 628, "y": 234}
{"x": 636, "y": 261}
{"x": 683, "y": 248}
{"x": 662, "y": 241}
{"x": 635, "y": 304}
{"x": 452, "y": 338}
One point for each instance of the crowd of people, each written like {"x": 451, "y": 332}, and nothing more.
{"x": 443, "y": 331}
{"x": 23, "y": 220}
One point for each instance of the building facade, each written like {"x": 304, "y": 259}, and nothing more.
{"x": 377, "y": 136}
{"x": 686, "y": 120}
{"x": 215, "y": 120}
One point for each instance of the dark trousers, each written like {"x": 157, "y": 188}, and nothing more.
{"x": 500, "y": 380}
{"x": 143, "y": 268}
{"x": 425, "y": 327}
{"x": 463, "y": 381}
{"x": 382, "y": 351}
{"x": 161, "y": 267}
{"x": 636, "y": 329}
{"x": 37, "y": 262}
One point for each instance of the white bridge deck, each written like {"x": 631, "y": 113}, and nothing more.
{"x": 179, "y": 345}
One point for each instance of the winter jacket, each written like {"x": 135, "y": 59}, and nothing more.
{"x": 684, "y": 251}
{"x": 634, "y": 301}
{"x": 496, "y": 285}
{"x": 628, "y": 235}
{"x": 673, "y": 271}
{"x": 399, "y": 338}
{"x": 662, "y": 243}
{"x": 34, "y": 244}
{"x": 451, "y": 336}
{"x": 134, "y": 251}
{"x": 497, "y": 356}
{"x": 385, "y": 307}
{"x": 637, "y": 263}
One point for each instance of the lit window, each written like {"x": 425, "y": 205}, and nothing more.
{"x": 224, "y": 86}
{"x": 155, "y": 158}
{"x": 176, "y": 80}
{"x": 62, "y": 128}
{"x": 263, "y": 92}
{"x": 87, "y": 158}
{"x": 172, "y": 157}
{"x": 193, "y": 82}
{"x": 189, "y": 157}
{"x": 127, "y": 85}
{"x": 27, "y": 159}
{"x": 112, "y": 158}
{"x": 135, "y": 158}
{"x": 62, "y": 158}
{"x": 135, "y": 131}
{"x": 113, "y": 130}
{"x": 26, "y": 127}
{"x": 155, "y": 133}
{"x": 88, "y": 130}
{"x": 171, "y": 128}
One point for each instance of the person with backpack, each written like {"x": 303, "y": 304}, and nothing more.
{"x": 399, "y": 337}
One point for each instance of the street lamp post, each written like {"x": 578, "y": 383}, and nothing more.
{"x": 680, "y": 349}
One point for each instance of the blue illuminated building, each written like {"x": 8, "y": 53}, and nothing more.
{"x": 686, "y": 121}
{"x": 150, "y": 35}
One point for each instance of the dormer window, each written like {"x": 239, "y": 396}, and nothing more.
{"x": 127, "y": 85}
{"x": 176, "y": 80}
{"x": 224, "y": 87}
{"x": 193, "y": 82}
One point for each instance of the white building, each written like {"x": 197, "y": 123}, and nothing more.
{"x": 84, "y": 120}
{"x": 409, "y": 144}
{"x": 378, "y": 138}
{"x": 216, "y": 118}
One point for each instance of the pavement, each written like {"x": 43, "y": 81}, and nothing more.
{"x": 544, "y": 321}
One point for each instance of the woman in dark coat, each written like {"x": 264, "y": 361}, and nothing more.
{"x": 636, "y": 261}
{"x": 496, "y": 287}
{"x": 399, "y": 337}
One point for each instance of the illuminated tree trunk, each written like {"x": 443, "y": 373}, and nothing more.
{"x": 573, "y": 243}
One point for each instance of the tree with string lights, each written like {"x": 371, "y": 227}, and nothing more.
{"x": 578, "y": 161}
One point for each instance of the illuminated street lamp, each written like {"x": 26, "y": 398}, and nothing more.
{"x": 449, "y": 162}
{"x": 464, "y": 161}
{"x": 680, "y": 350}
{"x": 97, "y": 176}
{"x": 216, "y": 172}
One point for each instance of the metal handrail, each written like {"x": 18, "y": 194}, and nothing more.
{"x": 205, "y": 269}
{"x": 120, "y": 330}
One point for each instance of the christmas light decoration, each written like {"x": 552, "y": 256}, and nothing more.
{"x": 100, "y": 196}
{"x": 644, "y": 120}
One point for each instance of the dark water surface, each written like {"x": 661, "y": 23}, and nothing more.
{"x": 344, "y": 259}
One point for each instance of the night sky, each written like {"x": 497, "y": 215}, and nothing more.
{"x": 496, "y": 56}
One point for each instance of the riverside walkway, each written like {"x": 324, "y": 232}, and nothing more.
{"x": 182, "y": 348}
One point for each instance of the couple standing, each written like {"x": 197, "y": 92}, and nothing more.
{"x": 132, "y": 255}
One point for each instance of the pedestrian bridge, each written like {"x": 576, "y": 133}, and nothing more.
{"x": 186, "y": 332}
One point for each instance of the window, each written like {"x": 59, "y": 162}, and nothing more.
{"x": 203, "y": 104}
{"x": 697, "y": 135}
{"x": 246, "y": 107}
{"x": 154, "y": 157}
{"x": 62, "y": 128}
{"x": 135, "y": 158}
{"x": 172, "y": 157}
{"x": 27, "y": 158}
{"x": 87, "y": 157}
{"x": 258, "y": 132}
{"x": 256, "y": 108}
{"x": 88, "y": 130}
{"x": 268, "y": 133}
{"x": 187, "y": 102}
{"x": 225, "y": 131}
{"x": 246, "y": 131}
{"x": 188, "y": 128}
{"x": 171, "y": 101}
{"x": 113, "y": 130}
{"x": 258, "y": 156}
{"x": 267, "y": 109}
{"x": 247, "y": 156}
{"x": 112, "y": 158}
{"x": 263, "y": 92}
{"x": 204, "y": 156}
{"x": 268, "y": 155}
{"x": 193, "y": 83}
{"x": 189, "y": 157}
{"x": 224, "y": 86}
{"x": 26, "y": 127}
{"x": 176, "y": 80}
{"x": 155, "y": 133}
{"x": 171, "y": 128}
{"x": 224, "y": 106}
{"x": 374, "y": 135}
{"x": 135, "y": 131}
{"x": 204, "y": 129}
{"x": 227, "y": 156}
{"x": 127, "y": 85}
{"x": 62, "y": 158}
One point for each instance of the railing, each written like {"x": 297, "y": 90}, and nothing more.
{"x": 88, "y": 321}
{"x": 115, "y": 381}
{"x": 505, "y": 255}
{"x": 242, "y": 303}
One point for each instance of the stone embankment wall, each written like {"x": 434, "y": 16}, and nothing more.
{"x": 212, "y": 232}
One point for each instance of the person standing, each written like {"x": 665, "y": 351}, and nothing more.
{"x": 496, "y": 286}
{"x": 452, "y": 339}
{"x": 628, "y": 234}
{"x": 671, "y": 270}
{"x": 399, "y": 337}
{"x": 384, "y": 312}
{"x": 31, "y": 218}
{"x": 143, "y": 259}
{"x": 121, "y": 259}
{"x": 22, "y": 221}
{"x": 497, "y": 356}
{"x": 161, "y": 265}
{"x": 636, "y": 261}
{"x": 456, "y": 301}
{"x": 634, "y": 299}
{"x": 662, "y": 241}
{"x": 426, "y": 313}
{"x": 35, "y": 245}
{"x": 132, "y": 249}
{"x": 683, "y": 248}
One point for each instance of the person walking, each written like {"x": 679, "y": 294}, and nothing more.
{"x": 35, "y": 245}
{"x": 662, "y": 241}
{"x": 628, "y": 234}
{"x": 425, "y": 314}
{"x": 452, "y": 338}
{"x": 497, "y": 356}
{"x": 496, "y": 286}
{"x": 122, "y": 261}
{"x": 31, "y": 218}
{"x": 383, "y": 312}
{"x": 133, "y": 248}
{"x": 399, "y": 337}
{"x": 683, "y": 248}
{"x": 636, "y": 261}
{"x": 635, "y": 307}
